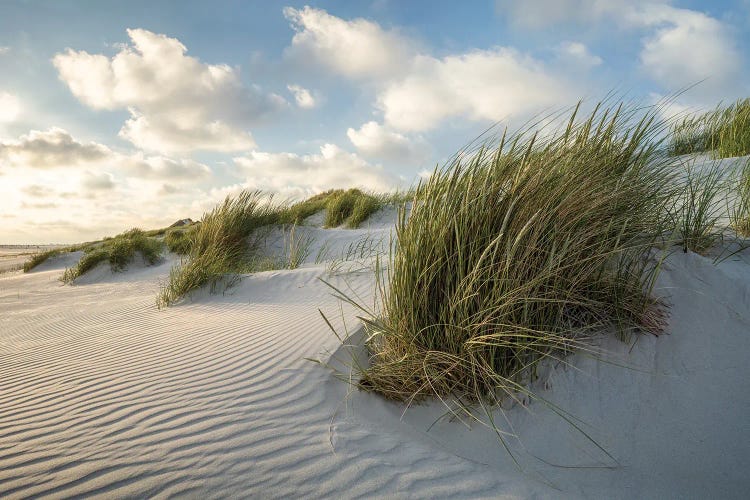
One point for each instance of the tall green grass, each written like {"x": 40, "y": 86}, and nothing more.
{"x": 351, "y": 207}
{"x": 298, "y": 212}
{"x": 179, "y": 240}
{"x": 724, "y": 131}
{"x": 740, "y": 212}
{"x": 522, "y": 251}
{"x": 701, "y": 206}
{"x": 119, "y": 251}
{"x": 220, "y": 245}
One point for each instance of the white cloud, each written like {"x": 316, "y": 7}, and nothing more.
{"x": 302, "y": 96}
{"x": 687, "y": 47}
{"x": 375, "y": 140}
{"x": 100, "y": 181}
{"x": 416, "y": 92}
{"x": 163, "y": 133}
{"x": 481, "y": 85}
{"x": 177, "y": 102}
{"x": 358, "y": 48}
{"x": 294, "y": 175}
{"x": 160, "y": 167}
{"x": 4, "y": 49}
{"x": 57, "y": 149}
{"x": 10, "y": 107}
{"x": 52, "y": 148}
{"x": 576, "y": 53}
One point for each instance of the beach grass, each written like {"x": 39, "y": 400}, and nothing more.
{"x": 351, "y": 207}
{"x": 725, "y": 131}
{"x": 740, "y": 212}
{"x": 296, "y": 213}
{"x": 39, "y": 258}
{"x": 701, "y": 206}
{"x": 179, "y": 240}
{"x": 118, "y": 251}
{"x": 518, "y": 251}
{"x": 221, "y": 245}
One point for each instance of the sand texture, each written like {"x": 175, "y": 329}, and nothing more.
{"x": 103, "y": 395}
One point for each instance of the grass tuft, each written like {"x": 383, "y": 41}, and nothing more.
{"x": 518, "y": 252}
{"x": 724, "y": 131}
{"x": 351, "y": 207}
{"x": 39, "y": 258}
{"x": 119, "y": 251}
{"x": 699, "y": 207}
{"x": 219, "y": 246}
{"x": 740, "y": 213}
{"x": 179, "y": 240}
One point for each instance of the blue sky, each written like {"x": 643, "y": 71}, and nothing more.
{"x": 114, "y": 115}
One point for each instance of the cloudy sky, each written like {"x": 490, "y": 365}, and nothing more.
{"x": 114, "y": 115}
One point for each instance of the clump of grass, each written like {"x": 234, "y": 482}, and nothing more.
{"x": 351, "y": 207}
{"x": 219, "y": 246}
{"x": 740, "y": 213}
{"x": 298, "y": 212}
{"x": 40, "y": 258}
{"x": 724, "y": 131}
{"x": 119, "y": 251}
{"x": 520, "y": 252}
{"x": 700, "y": 210}
{"x": 179, "y": 240}
{"x": 297, "y": 247}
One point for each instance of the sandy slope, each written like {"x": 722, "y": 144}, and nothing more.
{"x": 102, "y": 394}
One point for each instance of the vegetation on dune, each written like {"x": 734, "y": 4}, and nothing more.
{"x": 724, "y": 131}
{"x": 521, "y": 252}
{"x": 220, "y": 245}
{"x": 40, "y": 258}
{"x": 740, "y": 213}
{"x": 700, "y": 207}
{"x": 298, "y": 212}
{"x": 179, "y": 240}
{"x": 119, "y": 251}
{"x": 351, "y": 207}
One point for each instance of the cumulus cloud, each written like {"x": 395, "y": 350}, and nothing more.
{"x": 177, "y": 103}
{"x": 375, "y": 140}
{"x": 680, "y": 47}
{"x": 576, "y": 53}
{"x": 481, "y": 85}
{"x": 10, "y": 107}
{"x": 100, "y": 181}
{"x": 416, "y": 92}
{"x": 687, "y": 47}
{"x": 56, "y": 148}
{"x": 299, "y": 175}
{"x": 52, "y": 148}
{"x": 302, "y": 96}
{"x": 160, "y": 167}
{"x": 358, "y": 48}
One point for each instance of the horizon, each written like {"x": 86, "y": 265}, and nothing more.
{"x": 115, "y": 116}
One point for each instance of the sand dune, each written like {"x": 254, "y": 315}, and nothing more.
{"x": 102, "y": 394}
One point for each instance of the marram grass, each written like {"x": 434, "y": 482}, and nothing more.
{"x": 219, "y": 246}
{"x": 351, "y": 207}
{"x": 118, "y": 251}
{"x": 521, "y": 251}
{"x": 740, "y": 212}
{"x": 724, "y": 131}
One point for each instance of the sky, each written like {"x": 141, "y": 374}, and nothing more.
{"x": 135, "y": 114}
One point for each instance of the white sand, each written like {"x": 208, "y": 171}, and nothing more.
{"x": 101, "y": 394}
